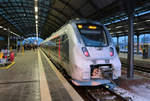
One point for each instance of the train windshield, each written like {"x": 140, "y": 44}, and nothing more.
{"x": 93, "y": 35}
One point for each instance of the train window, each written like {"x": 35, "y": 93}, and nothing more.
{"x": 57, "y": 40}
{"x": 93, "y": 35}
{"x": 53, "y": 40}
{"x": 64, "y": 37}
{"x": 50, "y": 43}
{"x": 65, "y": 48}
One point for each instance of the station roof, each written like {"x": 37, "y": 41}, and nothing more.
{"x": 19, "y": 15}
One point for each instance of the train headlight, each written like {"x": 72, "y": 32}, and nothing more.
{"x": 111, "y": 51}
{"x": 85, "y": 51}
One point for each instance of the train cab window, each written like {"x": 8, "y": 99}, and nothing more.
{"x": 93, "y": 35}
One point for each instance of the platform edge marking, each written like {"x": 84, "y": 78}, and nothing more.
{"x": 7, "y": 67}
{"x": 44, "y": 89}
{"x": 74, "y": 95}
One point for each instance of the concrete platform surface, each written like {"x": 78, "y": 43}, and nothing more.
{"x": 21, "y": 81}
{"x": 32, "y": 78}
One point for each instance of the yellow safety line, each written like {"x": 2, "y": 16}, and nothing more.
{"x": 73, "y": 94}
{"x": 7, "y": 67}
{"x": 44, "y": 89}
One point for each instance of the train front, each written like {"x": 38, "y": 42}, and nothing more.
{"x": 95, "y": 59}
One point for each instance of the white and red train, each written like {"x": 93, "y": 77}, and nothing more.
{"x": 85, "y": 49}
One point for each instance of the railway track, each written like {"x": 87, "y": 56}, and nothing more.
{"x": 101, "y": 93}
{"x": 139, "y": 68}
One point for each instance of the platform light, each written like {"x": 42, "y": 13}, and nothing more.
{"x": 92, "y": 27}
{"x": 36, "y": 9}
{"x": 14, "y": 33}
{"x": 140, "y": 28}
{"x": 118, "y": 26}
{"x": 9, "y": 31}
{"x": 36, "y": 16}
{"x": 37, "y": 29}
{"x": 119, "y": 32}
{"x": 147, "y": 20}
{"x": 80, "y": 26}
{"x": 109, "y": 28}
{"x": 5, "y": 29}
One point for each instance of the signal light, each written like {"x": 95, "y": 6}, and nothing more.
{"x": 85, "y": 51}
{"x": 80, "y": 26}
{"x": 92, "y": 27}
{"x": 111, "y": 51}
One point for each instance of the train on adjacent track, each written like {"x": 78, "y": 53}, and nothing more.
{"x": 84, "y": 48}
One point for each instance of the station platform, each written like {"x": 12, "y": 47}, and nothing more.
{"x": 136, "y": 57}
{"x": 139, "y": 62}
{"x": 34, "y": 78}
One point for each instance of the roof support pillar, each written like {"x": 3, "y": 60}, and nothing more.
{"x": 125, "y": 41}
{"x": 8, "y": 39}
{"x": 137, "y": 44}
{"x": 16, "y": 44}
{"x": 130, "y": 68}
{"x": 117, "y": 40}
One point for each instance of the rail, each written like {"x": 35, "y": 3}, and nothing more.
{"x": 139, "y": 66}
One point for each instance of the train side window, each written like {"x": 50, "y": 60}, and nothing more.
{"x": 64, "y": 37}
{"x": 65, "y": 48}
{"x": 54, "y": 47}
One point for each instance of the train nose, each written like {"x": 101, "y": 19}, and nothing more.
{"x": 99, "y": 52}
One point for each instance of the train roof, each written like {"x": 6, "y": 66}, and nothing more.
{"x": 81, "y": 20}
{"x": 76, "y": 20}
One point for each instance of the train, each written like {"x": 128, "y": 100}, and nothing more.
{"x": 85, "y": 50}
